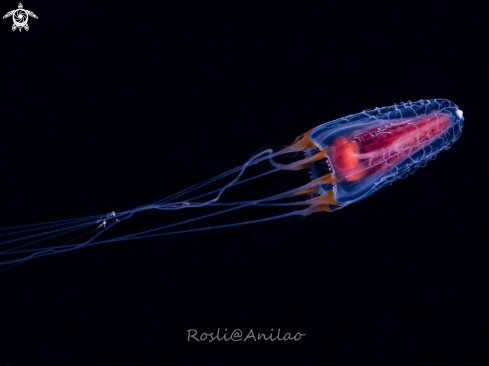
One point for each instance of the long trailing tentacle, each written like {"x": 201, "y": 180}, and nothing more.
{"x": 26, "y": 247}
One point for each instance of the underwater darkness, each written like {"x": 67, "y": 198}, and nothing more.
{"x": 108, "y": 106}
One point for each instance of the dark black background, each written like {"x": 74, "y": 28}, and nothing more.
{"x": 110, "y": 105}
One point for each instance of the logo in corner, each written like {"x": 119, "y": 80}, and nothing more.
{"x": 20, "y": 17}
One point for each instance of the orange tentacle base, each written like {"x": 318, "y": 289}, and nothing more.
{"x": 322, "y": 203}
{"x": 302, "y": 142}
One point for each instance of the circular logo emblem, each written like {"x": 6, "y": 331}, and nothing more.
{"x": 20, "y": 17}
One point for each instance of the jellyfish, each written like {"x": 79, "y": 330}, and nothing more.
{"x": 343, "y": 161}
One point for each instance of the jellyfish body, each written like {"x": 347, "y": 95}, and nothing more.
{"x": 374, "y": 148}
{"x": 347, "y": 160}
